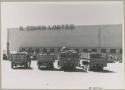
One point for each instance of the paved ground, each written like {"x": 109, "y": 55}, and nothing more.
{"x": 110, "y": 78}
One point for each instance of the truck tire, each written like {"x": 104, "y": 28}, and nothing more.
{"x": 90, "y": 68}
{"x": 61, "y": 68}
{"x": 94, "y": 68}
{"x": 12, "y": 65}
{"x": 52, "y": 67}
{"x": 86, "y": 68}
{"x": 39, "y": 66}
{"x": 58, "y": 63}
{"x": 73, "y": 66}
{"x": 29, "y": 64}
{"x": 101, "y": 67}
{"x": 64, "y": 67}
{"x": 97, "y": 67}
{"x": 26, "y": 65}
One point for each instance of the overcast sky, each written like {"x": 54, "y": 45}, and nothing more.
{"x": 15, "y": 14}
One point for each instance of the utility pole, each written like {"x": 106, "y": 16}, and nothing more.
{"x": 8, "y": 44}
{"x": 99, "y": 38}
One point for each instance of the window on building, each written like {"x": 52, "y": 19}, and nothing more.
{"x": 52, "y": 50}
{"x": 37, "y": 50}
{"x": 30, "y": 50}
{"x": 103, "y": 50}
{"x": 58, "y": 49}
{"x": 26, "y": 49}
{"x": 94, "y": 50}
{"x": 76, "y": 49}
{"x": 21, "y": 49}
{"x": 44, "y": 50}
{"x": 112, "y": 50}
{"x": 85, "y": 50}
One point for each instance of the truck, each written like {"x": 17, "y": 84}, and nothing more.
{"x": 97, "y": 62}
{"x": 19, "y": 59}
{"x": 68, "y": 59}
{"x": 45, "y": 60}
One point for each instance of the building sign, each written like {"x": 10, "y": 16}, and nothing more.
{"x": 49, "y": 27}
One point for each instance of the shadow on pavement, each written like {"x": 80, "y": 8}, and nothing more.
{"x": 105, "y": 71}
{"x": 47, "y": 69}
{"x": 75, "y": 70}
{"x": 22, "y": 68}
{"x": 68, "y": 70}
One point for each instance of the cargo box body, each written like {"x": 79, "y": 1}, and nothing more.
{"x": 97, "y": 62}
{"x": 20, "y": 59}
{"x": 46, "y": 57}
{"x": 68, "y": 62}
{"x": 46, "y": 60}
{"x": 68, "y": 59}
{"x": 102, "y": 61}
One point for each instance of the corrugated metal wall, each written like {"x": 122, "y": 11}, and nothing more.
{"x": 81, "y": 36}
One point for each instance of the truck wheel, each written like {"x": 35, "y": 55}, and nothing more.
{"x": 94, "y": 68}
{"x": 51, "y": 67}
{"x": 86, "y": 67}
{"x": 38, "y": 66}
{"x": 12, "y": 65}
{"x": 90, "y": 68}
{"x": 26, "y": 65}
{"x": 101, "y": 68}
{"x": 58, "y": 63}
{"x": 97, "y": 67}
{"x": 15, "y": 66}
{"x": 61, "y": 68}
{"x": 73, "y": 67}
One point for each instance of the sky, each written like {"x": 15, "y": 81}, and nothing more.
{"x": 15, "y": 14}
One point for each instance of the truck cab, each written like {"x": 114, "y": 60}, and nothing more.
{"x": 68, "y": 59}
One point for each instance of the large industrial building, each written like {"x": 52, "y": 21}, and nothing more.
{"x": 84, "y": 38}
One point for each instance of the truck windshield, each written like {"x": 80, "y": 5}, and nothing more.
{"x": 95, "y": 56}
{"x": 69, "y": 55}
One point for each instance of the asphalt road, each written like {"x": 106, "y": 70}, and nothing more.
{"x": 33, "y": 78}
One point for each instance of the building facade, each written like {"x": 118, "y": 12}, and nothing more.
{"x": 83, "y": 38}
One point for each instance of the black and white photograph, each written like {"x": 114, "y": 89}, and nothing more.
{"x": 62, "y": 45}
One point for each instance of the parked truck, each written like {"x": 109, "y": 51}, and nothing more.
{"x": 19, "y": 59}
{"x": 97, "y": 62}
{"x": 45, "y": 60}
{"x": 68, "y": 59}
